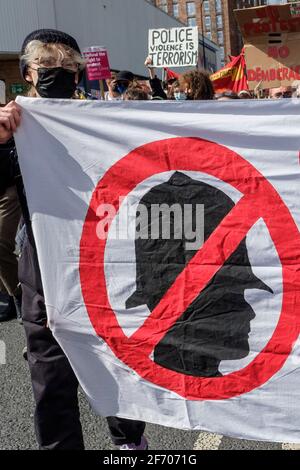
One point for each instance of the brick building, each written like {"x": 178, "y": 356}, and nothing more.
{"x": 214, "y": 17}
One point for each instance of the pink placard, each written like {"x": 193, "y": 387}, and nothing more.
{"x": 97, "y": 64}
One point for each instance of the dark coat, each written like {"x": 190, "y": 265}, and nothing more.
{"x": 7, "y": 173}
{"x": 29, "y": 272}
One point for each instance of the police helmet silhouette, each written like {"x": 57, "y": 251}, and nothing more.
{"x": 216, "y": 325}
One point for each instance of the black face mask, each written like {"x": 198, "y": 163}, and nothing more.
{"x": 56, "y": 82}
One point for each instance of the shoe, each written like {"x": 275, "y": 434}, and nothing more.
{"x": 10, "y": 312}
{"x": 24, "y": 353}
{"x": 142, "y": 446}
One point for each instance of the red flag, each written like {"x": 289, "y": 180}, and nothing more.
{"x": 171, "y": 75}
{"x": 232, "y": 76}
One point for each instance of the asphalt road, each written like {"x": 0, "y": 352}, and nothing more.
{"x": 16, "y": 412}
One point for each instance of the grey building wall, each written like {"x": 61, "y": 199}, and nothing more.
{"x": 19, "y": 17}
{"x": 120, "y": 25}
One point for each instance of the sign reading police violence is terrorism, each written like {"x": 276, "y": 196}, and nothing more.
{"x": 174, "y": 282}
{"x": 176, "y": 47}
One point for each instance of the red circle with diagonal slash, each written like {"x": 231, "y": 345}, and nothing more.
{"x": 259, "y": 200}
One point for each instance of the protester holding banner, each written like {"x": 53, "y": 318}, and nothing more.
{"x": 51, "y": 62}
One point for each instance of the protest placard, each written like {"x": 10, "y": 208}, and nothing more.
{"x": 176, "y": 47}
{"x": 201, "y": 337}
{"x": 271, "y": 35}
{"x": 97, "y": 63}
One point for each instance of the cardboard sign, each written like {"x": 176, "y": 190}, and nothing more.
{"x": 176, "y": 47}
{"x": 98, "y": 64}
{"x": 271, "y": 35}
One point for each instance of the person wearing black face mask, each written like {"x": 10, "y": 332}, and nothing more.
{"x": 52, "y": 68}
{"x": 122, "y": 81}
{"x": 56, "y": 82}
{"x": 51, "y": 62}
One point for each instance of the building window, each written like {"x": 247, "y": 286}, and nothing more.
{"x": 260, "y": 3}
{"x": 164, "y": 5}
{"x": 207, "y": 23}
{"x": 220, "y": 36}
{"x": 206, "y": 6}
{"x": 190, "y": 9}
{"x": 219, "y": 21}
{"x": 218, "y": 6}
{"x": 208, "y": 35}
{"x": 222, "y": 53}
{"x": 192, "y": 21}
{"x": 175, "y": 9}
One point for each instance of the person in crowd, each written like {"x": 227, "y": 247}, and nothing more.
{"x": 52, "y": 64}
{"x": 155, "y": 83}
{"x": 226, "y": 95}
{"x": 112, "y": 94}
{"x": 281, "y": 92}
{"x": 10, "y": 214}
{"x": 176, "y": 92}
{"x": 134, "y": 93}
{"x": 118, "y": 85}
{"x": 245, "y": 95}
{"x": 145, "y": 86}
{"x": 197, "y": 85}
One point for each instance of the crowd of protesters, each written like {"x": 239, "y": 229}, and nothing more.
{"x": 192, "y": 85}
{"x": 52, "y": 64}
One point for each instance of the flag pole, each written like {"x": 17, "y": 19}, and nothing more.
{"x": 102, "y": 93}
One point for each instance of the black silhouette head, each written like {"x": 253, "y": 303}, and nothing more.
{"x": 216, "y": 325}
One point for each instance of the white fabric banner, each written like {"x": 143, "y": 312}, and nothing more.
{"x": 192, "y": 333}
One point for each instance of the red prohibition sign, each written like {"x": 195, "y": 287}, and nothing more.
{"x": 259, "y": 200}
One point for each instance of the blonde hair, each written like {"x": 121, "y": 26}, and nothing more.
{"x": 40, "y": 51}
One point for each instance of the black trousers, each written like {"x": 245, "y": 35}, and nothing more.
{"x": 55, "y": 387}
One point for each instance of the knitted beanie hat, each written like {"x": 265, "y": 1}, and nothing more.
{"x": 48, "y": 36}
